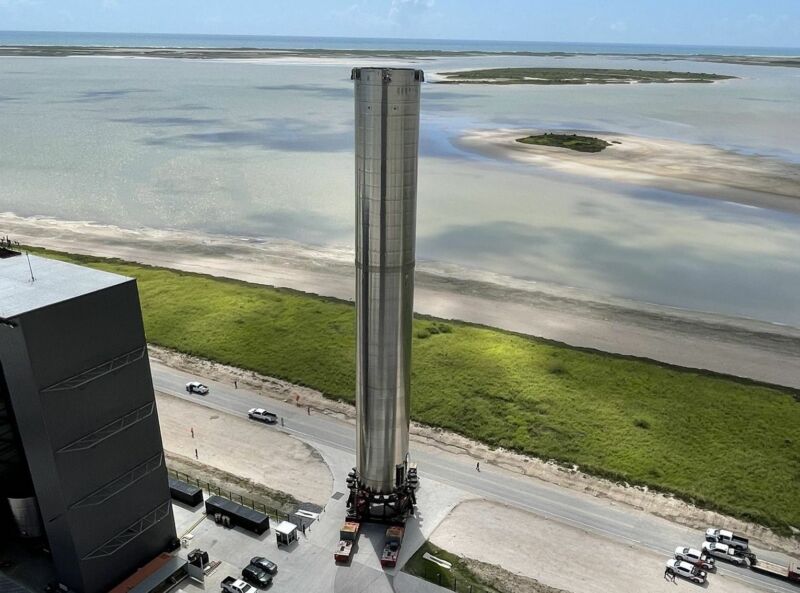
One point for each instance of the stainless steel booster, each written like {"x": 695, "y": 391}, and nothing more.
{"x": 387, "y": 107}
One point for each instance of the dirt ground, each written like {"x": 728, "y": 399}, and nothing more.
{"x": 507, "y": 582}
{"x": 655, "y": 503}
{"x": 597, "y": 565}
{"x": 257, "y": 452}
{"x": 248, "y": 492}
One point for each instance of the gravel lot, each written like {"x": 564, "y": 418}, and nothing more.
{"x": 558, "y": 555}
{"x": 246, "y": 448}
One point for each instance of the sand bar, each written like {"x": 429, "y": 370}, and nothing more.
{"x": 406, "y": 54}
{"x": 697, "y": 169}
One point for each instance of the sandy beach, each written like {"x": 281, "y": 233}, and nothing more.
{"x": 752, "y": 349}
{"x": 697, "y": 169}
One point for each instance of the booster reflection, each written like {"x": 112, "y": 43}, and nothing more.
{"x": 387, "y": 103}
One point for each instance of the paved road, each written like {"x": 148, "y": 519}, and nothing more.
{"x": 599, "y": 516}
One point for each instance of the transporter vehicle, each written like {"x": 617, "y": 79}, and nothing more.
{"x": 256, "y": 576}
{"x": 413, "y": 477}
{"x": 262, "y": 415}
{"x": 723, "y": 536}
{"x": 264, "y": 564}
{"x": 687, "y": 571}
{"x": 196, "y": 387}
{"x": 394, "y": 538}
{"x": 789, "y": 573}
{"x": 724, "y": 552}
{"x": 348, "y": 536}
{"x": 695, "y": 557}
{"x": 234, "y": 585}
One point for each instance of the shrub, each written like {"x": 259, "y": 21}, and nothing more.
{"x": 556, "y": 367}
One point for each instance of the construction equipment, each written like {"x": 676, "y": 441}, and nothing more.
{"x": 391, "y": 550}
{"x": 348, "y": 537}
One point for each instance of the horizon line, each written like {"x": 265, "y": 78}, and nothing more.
{"x": 435, "y": 39}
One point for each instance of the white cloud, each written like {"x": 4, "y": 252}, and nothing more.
{"x": 619, "y": 26}
{"x": 18, "y": 3}
{"x": 404, "y": 10}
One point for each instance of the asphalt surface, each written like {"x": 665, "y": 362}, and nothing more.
{"x": 596, "y": 515}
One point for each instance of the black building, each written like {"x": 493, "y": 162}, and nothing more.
{"x": 79, "y": 428}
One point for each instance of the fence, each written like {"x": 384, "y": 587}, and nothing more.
{"x": 447, "y": 580}
{"x": 212, "y": 488}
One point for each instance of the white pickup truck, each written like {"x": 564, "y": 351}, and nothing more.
{"x": 234, "y": 585}
{"x": 695, "y": 557}
{"x": 687, "y": 571}
{"x": 724, "y": 552}
{"x": 722, "y": 536}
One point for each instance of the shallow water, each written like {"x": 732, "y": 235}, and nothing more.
{"x": 264, "y": 149}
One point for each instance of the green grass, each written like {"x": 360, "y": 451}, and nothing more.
{"x": 726, "y": 445}
{"x": 547, "y": 76}
{"x": 460, "y": 576}
{"x": 570, "y": 141}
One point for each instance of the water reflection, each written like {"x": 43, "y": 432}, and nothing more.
{"x": 284, "y": 134}
{"x": 264, "y": 150}
{"x": 327, "y": 92}
{"x": 176, "y": 120}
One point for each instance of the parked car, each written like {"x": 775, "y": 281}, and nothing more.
{"x": 234, "y": 585}
{"x": 196, "y": 387}
{"x": 687, "y": 571}
{"x": 264, "y": 564}
{"x": 695, "y": 557}
{"x": 724, "y": 552}
{"x": 256, "y": 576}
{"x": 262, "y": 415}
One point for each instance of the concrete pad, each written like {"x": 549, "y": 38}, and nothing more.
{"x": 435, "y": 500}
{"x": 309, "y": 566}
{"x": 406, "y": 583}
{"x": 187, "y": 517}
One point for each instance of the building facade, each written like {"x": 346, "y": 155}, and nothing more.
{"x": 78, "y": 419}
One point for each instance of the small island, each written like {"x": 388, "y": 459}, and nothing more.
{"x": 548, "y": 76}
{"x": 570, "y": 141}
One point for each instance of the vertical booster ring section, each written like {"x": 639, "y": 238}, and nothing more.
{"x": 387, "y": 106}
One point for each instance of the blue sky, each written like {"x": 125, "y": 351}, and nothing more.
{"x": 698, "y": 22}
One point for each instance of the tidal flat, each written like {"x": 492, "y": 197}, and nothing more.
{"x": 549, "y": 76}
{"x": 261, "y": 150}
{"x": 261, "y": 53}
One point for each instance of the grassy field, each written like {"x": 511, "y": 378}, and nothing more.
{"x": 575, "y": 76}
{"x": 459, "y": 576}
{"x": 570, "y": 141}
{"x": 468, "y": 575}
{"x": 722, "y": 444}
